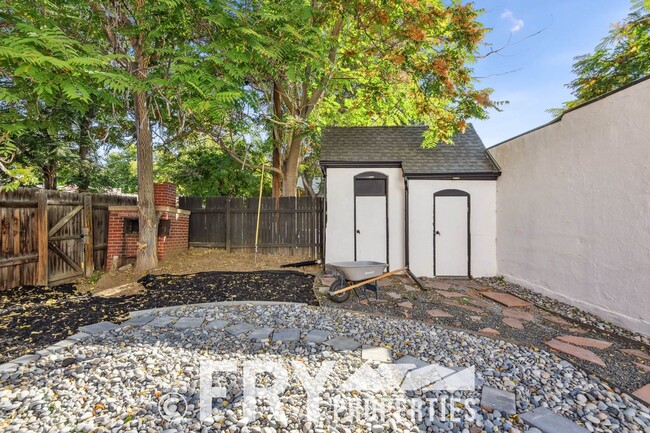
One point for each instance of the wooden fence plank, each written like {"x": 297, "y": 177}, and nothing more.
{"x": 41, "y": 239}
{"x": 87, "y": 232}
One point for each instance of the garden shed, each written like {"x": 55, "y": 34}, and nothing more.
{"x": 390, "y": 200}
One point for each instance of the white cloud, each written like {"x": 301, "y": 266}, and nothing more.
{"x": 516, "y": 23}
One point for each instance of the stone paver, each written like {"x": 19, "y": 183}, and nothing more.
{"x": 464, "y": 307}
{"x": 438, "y": 313}
{"x": 381, "y": 354}
{"x": 584, "y": 341}
{"x": 495, "y": 399}
{"x": 408, "y": 359}
{"x": 162, "y": 321}
{"x": 189, "y": 322}
{"x": 518, "y": 314}
{"x": 438, "y": 285}
{"x": 98, "y": 328}
{"x": 476, "y": 318}
{"x": 317, "y": 336}
{"x": 506, "y": 299}
{"x": 643, "y": 393}
{"x": 406, "y": 305}
{"x": 557, "y": 320}
{"x": 513, "y": 323}
{"x": 341, "y": 344}
{"x": 287, "y": 335}
{"x": 489, "y": 331}
{"x": 549, "y": 422}
{"x": 259, "y": 334}
{"x": 481, "y": 303}
{"x": 327, "y": 281}
{"x": 636, "y": 352}
{"x": 449, "y": 295}
{"x": 576, "y": 351}
{"x": 26, "y": 359}
{"x": 8, "y": 367}
{"x": 139, "y": 320}
{"x": 239, "y": 328}
{"x": 217, "y": 324}
{"x": 79, "y": 336}
{"x": 393, "y": 295}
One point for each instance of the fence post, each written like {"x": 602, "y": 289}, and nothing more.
{"x": 41, "y": 229}
{"x": 228, "y": 225}
{"x": 87, "y": 232}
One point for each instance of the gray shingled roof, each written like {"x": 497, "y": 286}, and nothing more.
{"x": 402, "y": 144}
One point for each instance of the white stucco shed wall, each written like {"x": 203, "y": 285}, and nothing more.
{"x": 482, "y": 224}
{"x": 339, "y": 229}
{"x": 574, "y": 208}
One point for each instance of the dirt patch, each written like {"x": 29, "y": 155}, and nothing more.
{"x": 197, "y": 260}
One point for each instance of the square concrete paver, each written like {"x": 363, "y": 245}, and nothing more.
{"x": 260, "y": 334}
{"x": 217, "y": 324}
{"x": 549, "y": 422}
{"x": 576, "y": 351}
{"x": 287, "y": 335}
{"x": 341, "y": 344}
{"x": 98, "y": 328}
{"x": 317, "y": 336}
{"x": 495, "y": 399}
{"x": 239, "y": 328}
{"x": 506, "y": 299}
{"x": 381, "y": 354}
{"x": 162, "y": 321}
{"x": 584, "y": 341}
{"x": 643, "y": 393}
{"x": 408, "y": 359}
{"x": 189, "y": 322}
{"x": 139, "y": 320}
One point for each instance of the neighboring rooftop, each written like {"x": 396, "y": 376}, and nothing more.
{"x": 402, "y": 146}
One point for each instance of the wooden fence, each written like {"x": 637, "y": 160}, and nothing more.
{"x": 290, "y": 225}
{"x": 49, "y": 237}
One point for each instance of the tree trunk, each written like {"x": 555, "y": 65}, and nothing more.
{"x": 290, "y": 168}
{"x": 49, "y": 176}
{"x": 147, "y": 254}
{"x": 277, "y": 142}
{"x": 83, "y": 174}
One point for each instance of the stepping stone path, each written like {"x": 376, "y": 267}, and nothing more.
{"x": 189, "y": 322}
{"x": 287, "y": 335}
{"x": 576, "y": 351}
{"x": 495, "y": 399}
{"x": 513, "y": 323}
{"x": 381, "y": 354}
{"x": 240, "y": 328}
{"x": 98, "y": 328}
{"x": 506, "y": 299}
{"x": 342, "y": 344}
{"x": 259, "y": 334}
{"x": 438, "y": 313}
{"x": 518, "y": 314}
{"x": 317, "y": 336}
{"x": 583, "y": 341}
{"x": 548, "y": 421}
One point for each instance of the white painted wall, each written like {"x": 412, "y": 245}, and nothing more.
{"x": 482, "y": 224}
{"x": 339, "y": 231}
{"x": 574, "y": 208}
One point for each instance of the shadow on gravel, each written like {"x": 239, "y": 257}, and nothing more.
{"x": 32, "y": 318}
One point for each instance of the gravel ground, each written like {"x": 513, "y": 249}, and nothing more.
{"x": 620, "y": 370}
{"x": 115, "y": 381}
{"x": 563, "y": 309}
{"x": 32, "y": 318}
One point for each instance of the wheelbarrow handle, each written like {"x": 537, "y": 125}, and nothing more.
{"x": 354, "y": 286}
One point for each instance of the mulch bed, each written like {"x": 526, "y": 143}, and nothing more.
{"x": 32, "y": 318}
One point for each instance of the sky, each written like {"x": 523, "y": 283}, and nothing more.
{"x": 532, "y": 69}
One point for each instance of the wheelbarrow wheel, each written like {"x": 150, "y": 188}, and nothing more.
{"x": 341, "y": 297}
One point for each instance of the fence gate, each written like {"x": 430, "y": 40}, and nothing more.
{"x": 68, "y": 227}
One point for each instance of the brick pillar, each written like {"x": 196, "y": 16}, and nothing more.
{"x": 164, "y": 194}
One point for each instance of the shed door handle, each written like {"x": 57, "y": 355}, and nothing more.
{"x": 358, "y": 232}
{"x": 437, "y": 233}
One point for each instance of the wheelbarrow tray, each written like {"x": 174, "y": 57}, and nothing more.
{"x": 359, "y": 271}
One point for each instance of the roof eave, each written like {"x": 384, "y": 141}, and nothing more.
{"x": 487, "y": 175}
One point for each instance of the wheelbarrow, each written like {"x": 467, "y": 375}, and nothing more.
{"x": 353, "y": 275}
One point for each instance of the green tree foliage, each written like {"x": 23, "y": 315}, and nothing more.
{"x": 621, "y": 57}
